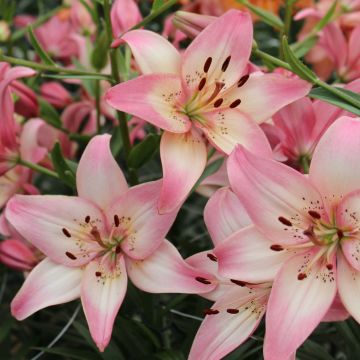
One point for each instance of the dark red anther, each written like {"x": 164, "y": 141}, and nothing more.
{"x": 66, "y": 232}
{"x": 212, "y": 257}
{"x": 235, "y": 103}
{"x": 276, "y": 247}
{"x": 243, "y": 80}
{"x": 118, "y": 249}
{"x": 98, "y": 274}
{"x": 207, "y": 64}
{"x": 210, "y": 311}
{"x": 218, "y": 103}
{"x": 314, "y": 214}
{"x": 232, "y": 311}
{"x": 203, "y": 280}
{"x": 70, "y": 255}
{"x": 87, "y": 219}
{"x": 238, "y": 282}
{"x": 285, "y": 221}
{"x": 302, "y": 276}
{"x": 202, "y": 84}
{"x": 116, "y": 220}
{"x": 226, "y": 63}
{"x": 340, "y": 234}
{"x": 329, "y": 266}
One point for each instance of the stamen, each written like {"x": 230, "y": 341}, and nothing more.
{"x": 210, "y": 311}
{"x": 314, "y": 214}
{"x": 218, "y": 87}
{"x": 340, "y": 234}
{"x": 66, "y": 232}
{"x": 207, "y": 64}
{"x": 226, "y": 63}
{"x": 212, "y": 257}
{"x": 302, "y": 276}
{"x": 285, "y": 221}
{"x": 243, "y": 80}
{"x": 118, "y": 249}
{"x": 202, "y": 84}
{"x": 276, "y": 247}
{"x": 98, "y": 274}
{"x": 238, "y": 282}
{"x": 203, "y": 280}
{"x": 329, "y": 266}
{"x": 96, "y": 234}
{"x": 218, "y": 103}
{"x": 87, "y": 219}
{"x": 70, "y": 255}
{"x": 235, "y": 103}
{"x": 116, "y": 221}
{"x": 232, "y": 311}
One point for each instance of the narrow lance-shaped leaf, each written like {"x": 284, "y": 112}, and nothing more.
{"x": 66, "y": 173}
{"x": 39, "y": 50}
{"x": 143, "y": 152}
{"x": 49, "y": 114}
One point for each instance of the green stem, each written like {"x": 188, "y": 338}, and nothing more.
{"x": 304, "y": 163}
{"x": 273, "y": 60}
{"x": 97, "y": 104}
{"x": 44, "y": 67}
{"x": 287, "y": 23}
{"x": 39, "y": 21}
{"x": 38, "y": 168}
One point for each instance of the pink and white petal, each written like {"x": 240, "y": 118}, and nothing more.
{"x": 337, "y": 311}
{"x": 152, "y": 98}
{"x": 48, "y": 284}
{"x": 227, "y": 43}
{"x": 99, "y": 177}
{"x": 224, "y": 214}
{"x": 205, "y": 261}
{"x": 141, "y": 226}
{"x": 264, "y": 94}
{"x": 354, "y": 49}
{"x": 183, "y": 158}
{"x": 276, "y": 197}
{"x": 166, "y": 272}
{"x": 348, "y": 280}
{"x": 56, "y": 225}
{"x": 152, "y": 52}
{"x": 103, "y": 289}
{"x": 221, "y": 333}
{"x": 246, "y": 255}
{"x": 228, "y": 127}
{"x": 348, "y": 217}
{"x": 297, "y": 306}
{"x": 124, "y": 15}
{"x": 334, "y": 169}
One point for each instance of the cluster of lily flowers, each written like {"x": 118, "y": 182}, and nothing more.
{"x": 283, "y": 210}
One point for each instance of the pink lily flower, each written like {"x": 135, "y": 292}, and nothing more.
{"x": 56, "y": 94}
{"x": 94, "y": 241}
{"x": 314, "y": 217}
{"x": 206, "y": 94}
{"x": 124, "y": 15}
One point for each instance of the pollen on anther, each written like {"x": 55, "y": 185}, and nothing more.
{"x": 212, "y": 257}
{"x": 302, "y": 276}
{"x": 66, "y": 232}
{"x": 235, "y": 103}
{"x": 98, "y": 274}
{"x": 226, "y": 63}
{"x": 314, "y": 214}
{"x": 70, "y": 255}
{"x": 202, "y": 84}
{"x": 243, "y": 80}
{"x": 232, "y": 311}
{"x": 87, "y": 219}
{"x": 207, "y": 64}
{"x": 116, "y": 220}
{"x": 238, "y": 282}
{"x": 285, "y": 221}
{"x": 218, "y": 103}
{"x": 203, "y": 280}
{"x": 276, "y": 247}
{"x": 210, "y": 311}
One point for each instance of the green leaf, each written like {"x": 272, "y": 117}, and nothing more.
{"x": 326, "y": 19}
{"x": 116, "y": 142}
{"x": 144, "y": 151}
{"x": 49, "y": 114}
{"x": 99, "y": 54}
{"x": 66, "y": 173}
{"x": 266, "y": 16}
{"x": 325, "y": 95}
{"x": 157, "y": 4}
{"x": 301, "y": 48}
{"x": 212, "y": 168}
{"x": 68, "y": 353}
{"x": 75, "y": 76}
{"x": 39, "y": 50}
{"x": 297, "y": 66}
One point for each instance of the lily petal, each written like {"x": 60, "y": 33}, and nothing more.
{"x": 56, "y": 225}
{"x": 98, "y": 177}
{"x": 183, "y": 157}
{"x": 47, "y": 284}
{"x": 103, "y": 289}
{"x": 224, "y": 214}
{"x": 166, "y": 272}
{"x": 297, "y": 306}
{"x": 276, "y": 197}
{"x": 152, "y": 98}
